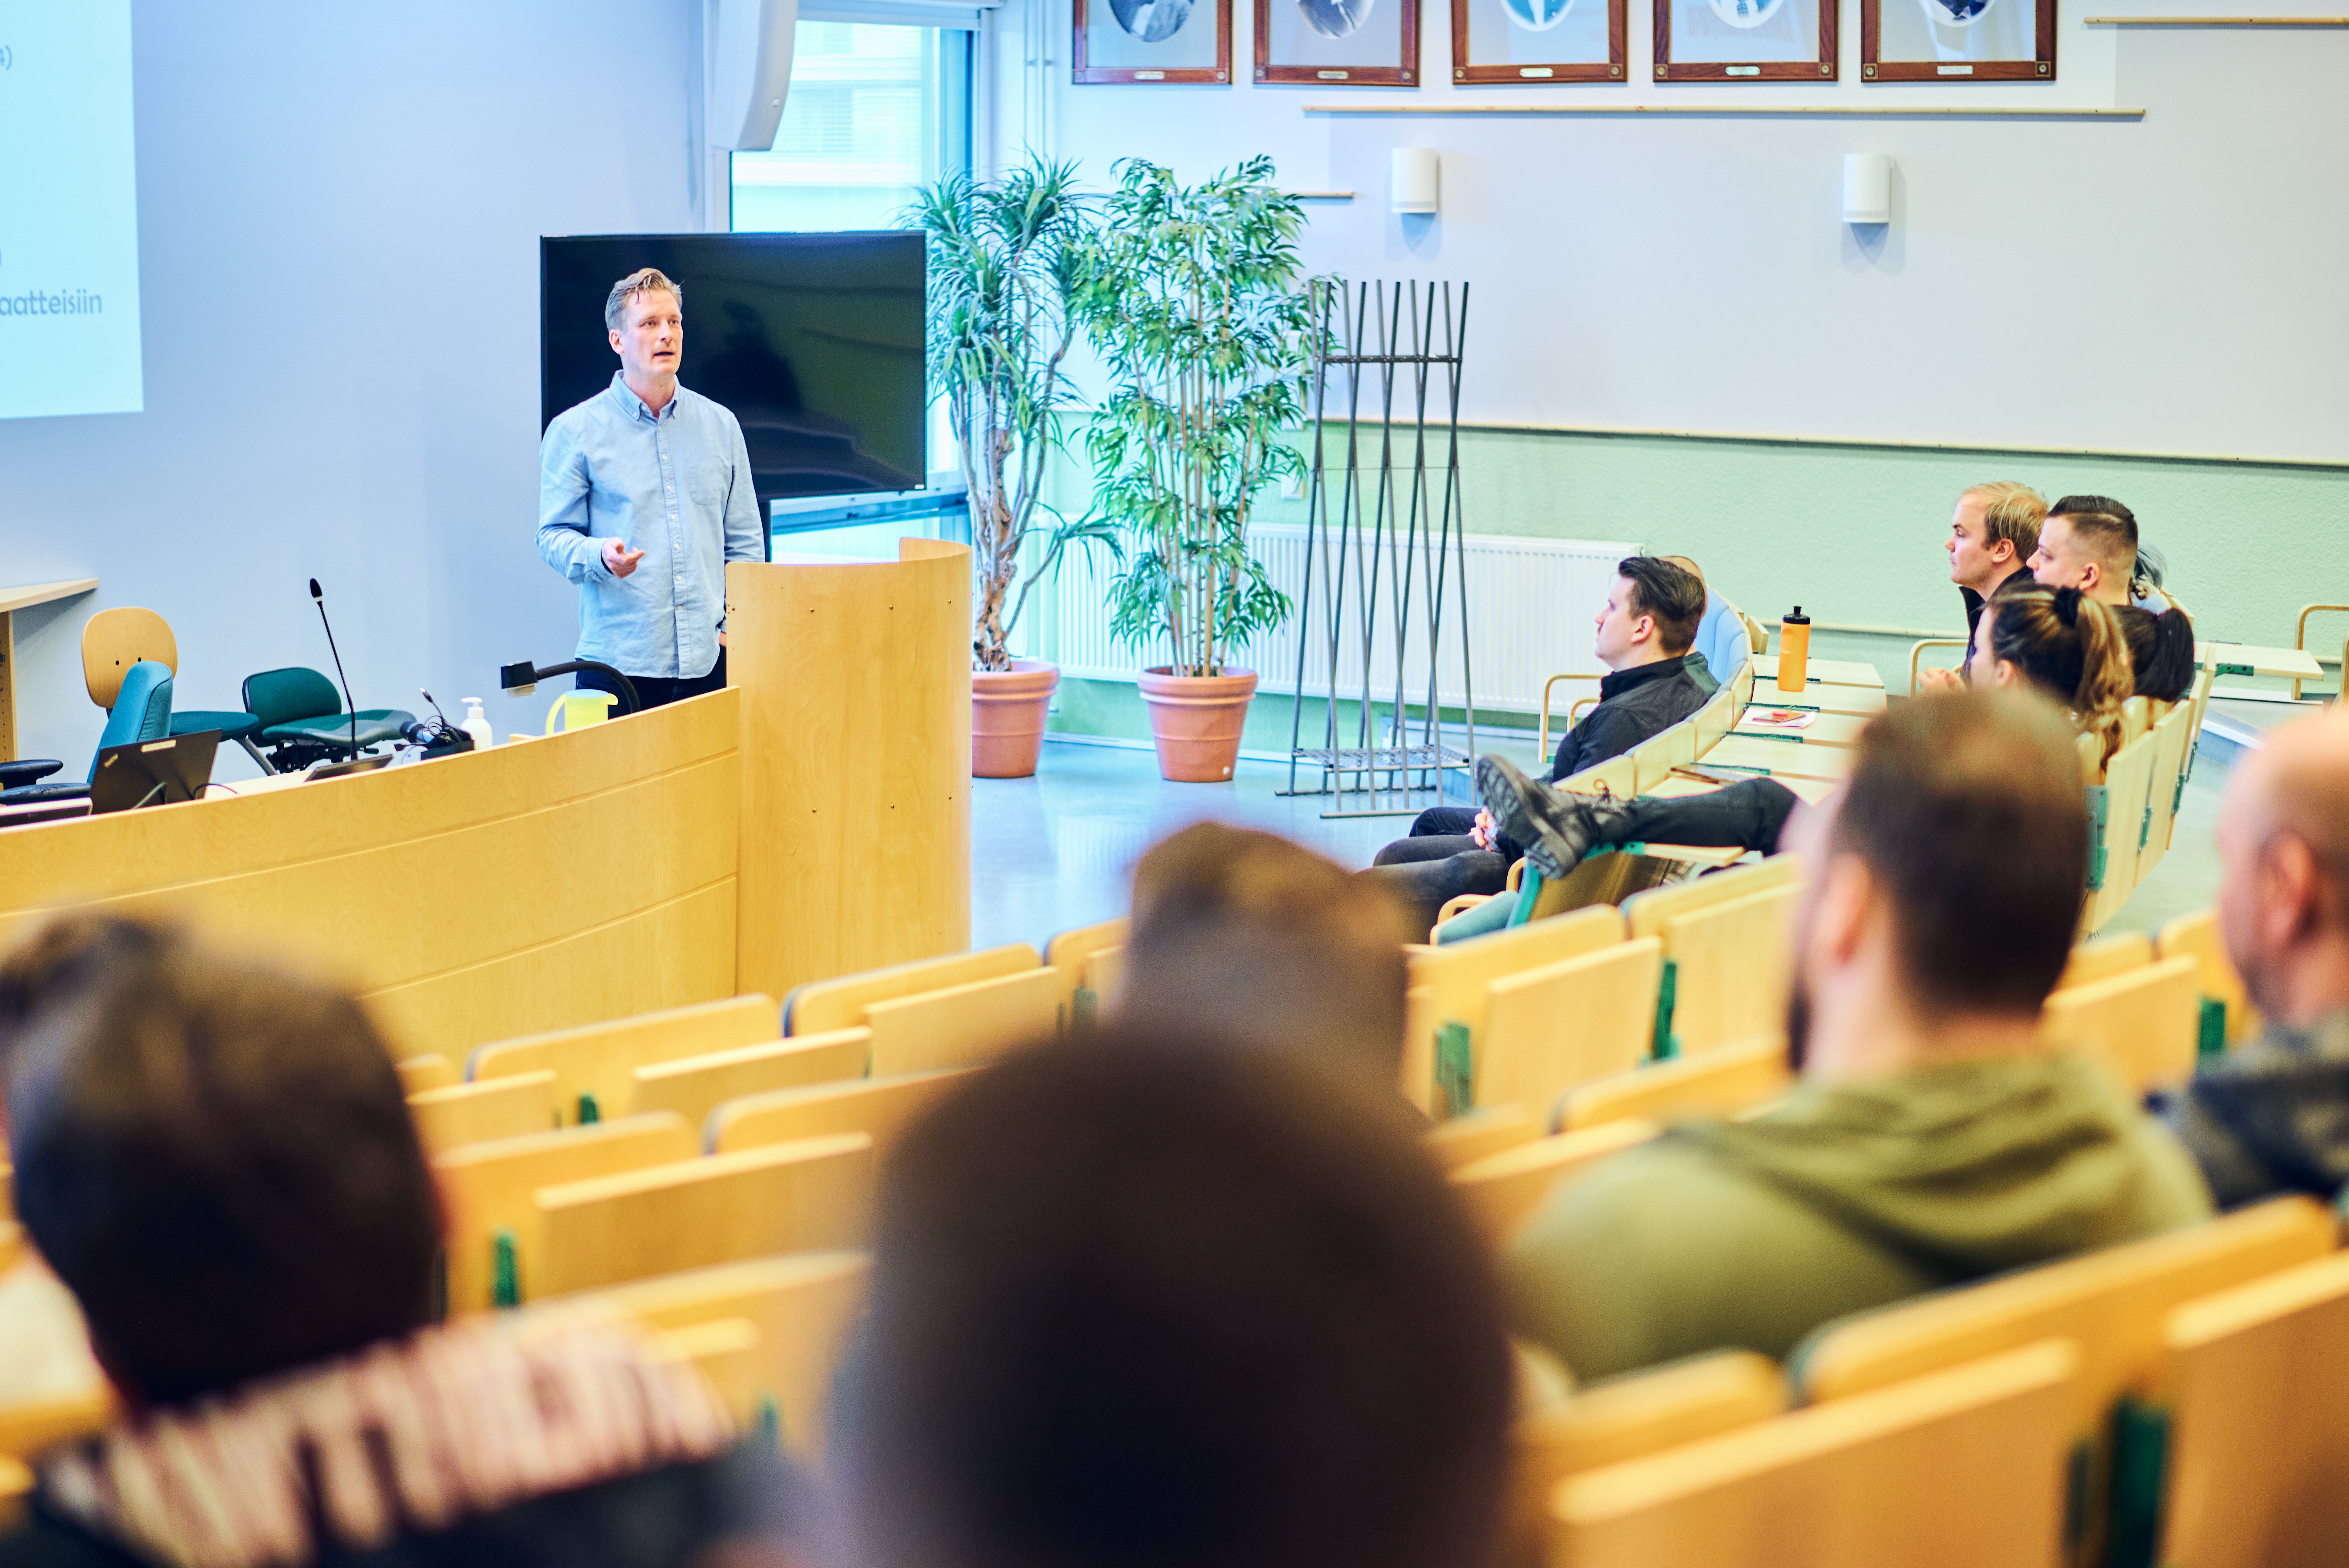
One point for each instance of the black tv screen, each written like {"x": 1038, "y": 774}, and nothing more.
{"x": 814, "y": 341}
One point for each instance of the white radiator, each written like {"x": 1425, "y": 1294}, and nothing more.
{"x": 1532, "y": 609}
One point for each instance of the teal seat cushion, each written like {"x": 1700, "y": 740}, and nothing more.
{"x": 376, "y": 726}
{"x": 234, "y": 727}
{"x": 280, "y": 696}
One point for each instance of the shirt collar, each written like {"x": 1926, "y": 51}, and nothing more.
{"x": 1623, "y": 680}
{"x": 635, "y": 406}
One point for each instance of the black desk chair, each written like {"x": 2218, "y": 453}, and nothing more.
{"x": 141, "y": 712}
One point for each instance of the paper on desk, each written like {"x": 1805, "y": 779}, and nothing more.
{"x": 1779, "y": 718}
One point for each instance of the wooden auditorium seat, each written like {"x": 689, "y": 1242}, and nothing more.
{"x": 2196, "y": 936}
{"x": 823, "y": 1005}
{"x": 1501, "y": 1190}
{"x": 1728, "y": 967}
{"x": 1075, "y": 953}
{"x": 1722, "y": 1082}
{"x": 2101, "y": 958}
{"x": 2173, "y": 738}
{"x": 2142, "y": 1023}
{"x": 2126, "y": 794}
{"x": 693, "y": 1087}
{"x": 595, "y": 1062}
{"x": 880, "y": 1108}
{"x": 1450, "y": 986}
{"x": 490, "y": 1189}
{"x": 2258, "y": 1392}
{"x": 1644, "y": 914}
{"x": 806, "y": 1195}
{"x": 1477, "y": 1134}
{"x": 15, "y": 1492}
{"x": 1962, "y": 1469}
{"x": 417, "y": 1074}
{"x": 492, "y": 1108}
{"x": 964, "y": 1025}
{"x": 725, "y": 1351}
{"x": 1549, "y": 1028}
{"x": 31, "y": 1425}
{"x": 803, "y": 1306}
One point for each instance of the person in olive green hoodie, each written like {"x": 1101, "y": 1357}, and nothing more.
{"x": 1932, "y": 1139}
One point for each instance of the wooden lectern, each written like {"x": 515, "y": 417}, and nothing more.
{"x": 854, "y": 835}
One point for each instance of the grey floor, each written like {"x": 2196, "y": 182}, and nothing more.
{"x": 1056, "y": 850}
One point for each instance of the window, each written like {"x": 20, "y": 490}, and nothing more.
{"x": 874, "y": 111}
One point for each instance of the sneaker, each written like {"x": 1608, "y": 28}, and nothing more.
{"x": 1556, "y": 829}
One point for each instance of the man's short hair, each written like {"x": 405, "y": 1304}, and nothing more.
{"x": 1147, "y": 1302}
{"x": 215, "y": 1157}
{"x": 1672, "y": 596}
{"x": 1967, "y": 809}
{"x": 1244, "y": 935}
{"x": 2011, "y": 512}
{"x": 644, "y": 280}
{"x": 2104, "y": 527}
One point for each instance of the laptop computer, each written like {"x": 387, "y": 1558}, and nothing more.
{"x": 144, "y": 772}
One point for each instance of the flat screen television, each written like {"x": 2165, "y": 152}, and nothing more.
{"x": 814, "y": 341}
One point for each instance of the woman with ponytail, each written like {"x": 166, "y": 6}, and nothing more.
{"x": 2065, "y": 644}
{"x": 2161, "y": 650}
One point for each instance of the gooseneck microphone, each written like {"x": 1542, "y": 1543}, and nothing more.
{"x": 318, "y": 597}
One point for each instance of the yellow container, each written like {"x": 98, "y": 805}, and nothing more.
{"x": 578, "y": 709}
{"x": 1794, "y": 652}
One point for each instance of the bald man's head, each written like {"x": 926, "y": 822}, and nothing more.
{"x": 2283, "y": 842}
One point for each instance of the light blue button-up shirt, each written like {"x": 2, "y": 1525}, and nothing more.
{"x": 675, "y": 485}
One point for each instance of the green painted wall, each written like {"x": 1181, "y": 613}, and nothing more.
{"x": 1854, "y": 533}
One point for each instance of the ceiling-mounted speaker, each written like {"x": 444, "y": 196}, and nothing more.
{"x": 750, "y": 71}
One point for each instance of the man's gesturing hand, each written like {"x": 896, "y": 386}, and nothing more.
{"x": 618, "y": 559}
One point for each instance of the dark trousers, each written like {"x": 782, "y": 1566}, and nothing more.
{"x": 1439, "y": 862}
{"x": 656, "y": 690}
{"x": 1749, "y": 815}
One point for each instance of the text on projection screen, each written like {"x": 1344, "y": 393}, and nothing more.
{"x": 68, "y": 210}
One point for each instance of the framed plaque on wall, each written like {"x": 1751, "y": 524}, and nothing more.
{"x": 1747, "y": 40}
{"x": 1339, "y": 43}
{"x": 1956, "y": 40}
{"x": 1538, "y": 40}
{"x": 1142, "y": 41}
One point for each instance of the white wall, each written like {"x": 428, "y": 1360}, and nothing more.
{"x": 338, "y": 215}
{"x": 2170, "y": 284}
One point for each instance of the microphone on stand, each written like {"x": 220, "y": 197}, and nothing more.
{"x": 318, "y": 596}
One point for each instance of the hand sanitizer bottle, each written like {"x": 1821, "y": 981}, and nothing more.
{"x": 477, "y": 725}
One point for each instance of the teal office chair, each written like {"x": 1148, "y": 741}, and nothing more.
{"x": 302, "y": 719}
{"x": 141, "y": 712}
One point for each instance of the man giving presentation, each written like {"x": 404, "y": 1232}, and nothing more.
{"x": 644, "y": 495}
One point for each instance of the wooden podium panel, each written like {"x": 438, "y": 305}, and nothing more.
{"x": 856, "y": 806}
{"x": 558, "y": 881}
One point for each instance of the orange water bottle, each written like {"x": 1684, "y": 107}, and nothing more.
{"x": 1794, "y": 652}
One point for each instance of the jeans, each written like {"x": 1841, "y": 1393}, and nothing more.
{"x": 1439, "y": 862}
{"x": 1748, "y": 815}
{"x": 656, "y": 690}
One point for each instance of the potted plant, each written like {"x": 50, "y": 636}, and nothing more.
{"x": 1002, "y": 260}
{"x": 1190, "y": 297}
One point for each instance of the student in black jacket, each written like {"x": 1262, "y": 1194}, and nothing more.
{"x": 1644, "y": 634}
{"x": 217, "y": 1160}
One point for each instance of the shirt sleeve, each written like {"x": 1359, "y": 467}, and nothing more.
{"x": 562, "y": 488}
{"x": 1607, "y": 731}
{"x": 746, "y": 534}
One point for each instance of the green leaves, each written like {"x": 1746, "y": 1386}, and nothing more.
{"x": 1190, "y": 296}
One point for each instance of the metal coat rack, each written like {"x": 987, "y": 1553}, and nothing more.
{"x": 1385, "y": 544}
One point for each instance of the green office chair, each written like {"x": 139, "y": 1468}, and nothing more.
{"x": 302, "y": 719}
{"x": 141, "y": 712}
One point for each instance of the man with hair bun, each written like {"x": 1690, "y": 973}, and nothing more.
{"x": 644, "y": 495}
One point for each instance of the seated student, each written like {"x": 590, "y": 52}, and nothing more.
{"x": 2091, "y": 542}
{"x": 1994, "y": 532}
{"x": 1244, "y": 935}
{"x": 1934, "y": 1139}
{"x": 2062, "y": 645}
{"x": 2161, "y": 651}
{"x": 216, "y": 1159}
{"x": 1160, "y": 1302}
{"x": 1645, "y": 630}
{"x": 2274, "y": 1115}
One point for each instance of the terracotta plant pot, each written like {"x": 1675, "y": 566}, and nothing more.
{"x": 1007, "y": 718}
{"x": 1196, "y": 719}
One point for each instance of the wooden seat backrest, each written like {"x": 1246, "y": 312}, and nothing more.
{"x": 1550, "y": 1029}
{"x": 1068, "y": 951}
{"x": 805, "y": 1196}
{"x": 1644, "y": 914}
{"x": 693, "y": 1087}
{"x": 1484, "y": 1131}
{"x": 2196, "y": 936}
{"x": 488, "y": 1188}
{"x": 1458, "y": 978}
{"x": 417, "y": 1074}
{"x": 113, "y": 641}
{"x": 1718, "y": 1083}
{"x": 29, "y": 1428}
{"x": 964, "y": 1025}
{"x": 2128, "y": 784}
{"x": 2141, "y": 1024}
{"x": 879, "y": 1107}
{"x": 725, "y": 1352}
{"x": 1733, "y": 962}
{"x": 823, "y": 1005}
{"x": 1614, "y": 776}
{"x": 598, "y": 1058}
{"x": 1965, "y": 1467}
{"x": 2101, "y": 958}
{"x": 15, "y": 1492}
{"x": 1653, "y": 759}
{"x": 1104, "y": 974}
{"x": 476, "y": 1113}
{"x": 1717, "y": 717}
{"x": 803, "y": 1305}
{"x": 2112, "y": 1301}
{"x": 2258, "y": 1387}
{"x": 1629, "y": 1417}
{"x": 1502, "y": 1190}
{"x": 2170, "y": 734}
